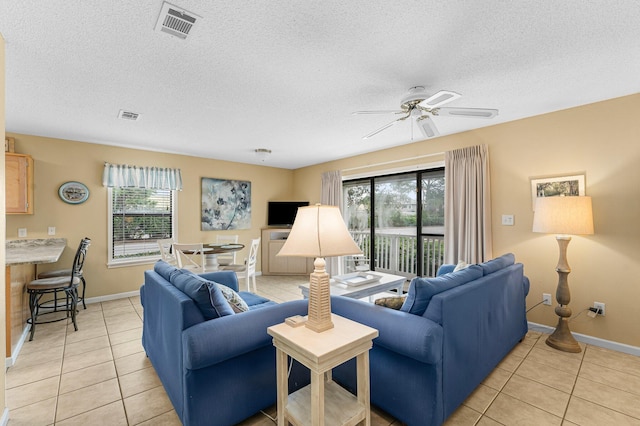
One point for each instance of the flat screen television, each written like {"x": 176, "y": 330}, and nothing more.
{"x": 283, "y": 213}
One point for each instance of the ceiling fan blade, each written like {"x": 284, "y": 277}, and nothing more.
{"x": 440, "y": 98}
{"x": 379, "y": 112}
{"x": 466, "y": 112}
{"x": 386, "y": 126}
{"x": 427, "y": 127}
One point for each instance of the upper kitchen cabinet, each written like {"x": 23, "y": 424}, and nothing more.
{"x": 19, "y": 183}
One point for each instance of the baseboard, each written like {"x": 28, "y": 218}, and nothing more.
{"x": 590, "y": 340}
{"x": 4, "y": 420}
{"x": 10, "y": 361}
{"x": 109, "y": 297}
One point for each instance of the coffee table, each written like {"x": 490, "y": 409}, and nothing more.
{"x": 386, "y": 283}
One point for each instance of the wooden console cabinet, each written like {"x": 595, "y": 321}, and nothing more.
{"x": 272, "y": 241}
{"x": 18, "y": 183}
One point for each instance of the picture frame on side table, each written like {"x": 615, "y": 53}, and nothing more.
{"x": 568, "y": 186}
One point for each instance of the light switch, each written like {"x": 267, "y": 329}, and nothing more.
{"x": 22, "y": 232}
{"x": 507, "y": 219}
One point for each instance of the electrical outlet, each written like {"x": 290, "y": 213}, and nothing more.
{"x": 51, "y": 230}
{"x": 546, "y": 299}
{"x": 22, "y": 232}
{"x": 600, "y": 307}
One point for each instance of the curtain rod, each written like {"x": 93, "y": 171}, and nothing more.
{"x": 384, "y": 163}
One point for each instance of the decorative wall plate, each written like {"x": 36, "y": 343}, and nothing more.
{"x": 73, "y": 192}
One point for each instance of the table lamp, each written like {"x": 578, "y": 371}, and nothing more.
{"x": 563, "y": 216}
{"x": 319, "y": 231}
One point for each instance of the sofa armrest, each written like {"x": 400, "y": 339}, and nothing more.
{"x": 404, "y": 333}
{"x": 228, "y": 278}
{"x": 217, "y": 340}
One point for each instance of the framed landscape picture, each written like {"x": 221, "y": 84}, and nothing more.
{"x": 226, "y": 204}
{"x": 568, "y": 186}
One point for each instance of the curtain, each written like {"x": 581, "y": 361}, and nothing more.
{"x": 124, "y": 176}
{"x": 331, "y": 195}
{"x": 467, "y": 205}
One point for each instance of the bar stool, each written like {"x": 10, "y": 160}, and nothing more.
{"x": 67, "y": 273}
{"x": 69, "y": 284}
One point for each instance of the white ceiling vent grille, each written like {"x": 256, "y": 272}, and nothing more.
{"x": 128, "y": 115}
{"x": 176, "y": 21}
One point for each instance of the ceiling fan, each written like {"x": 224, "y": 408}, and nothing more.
{"x": 420, "y": 106}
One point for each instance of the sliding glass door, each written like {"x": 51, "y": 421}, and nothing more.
{"x": 398, "y": 222}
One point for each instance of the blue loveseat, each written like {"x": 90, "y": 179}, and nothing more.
{"x": 216, "y": 371}
{"x": 452, "y": 332}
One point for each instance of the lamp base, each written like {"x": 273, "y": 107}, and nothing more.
{"x": 562, "y": 339}
{"x": 319, "y": 318}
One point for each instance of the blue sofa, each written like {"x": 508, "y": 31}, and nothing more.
{"x": 452, "y": 332}
{"x": 218, "y": 371}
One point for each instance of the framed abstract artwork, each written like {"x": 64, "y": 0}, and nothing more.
{"x": 226, "y": 204}
{"x": 567, "y": 186}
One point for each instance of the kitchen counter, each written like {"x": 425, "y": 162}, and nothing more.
{"x": 48, "y": 250}
{"x": 21, "y": 258}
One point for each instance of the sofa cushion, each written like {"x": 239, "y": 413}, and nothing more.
{"x": 498, "y": 263}
{"x": 164, "y": 269}
{"x": 421, "y": 290}
{"x": 252, "y": 300}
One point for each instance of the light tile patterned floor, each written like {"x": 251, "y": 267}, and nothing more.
{"x": 100, "y": 375}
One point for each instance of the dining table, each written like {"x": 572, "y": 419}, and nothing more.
{"x": 212, "y": 250}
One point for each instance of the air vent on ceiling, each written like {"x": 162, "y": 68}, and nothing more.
{"x": 176, "y": 21}
{"x": 128, "y": 115}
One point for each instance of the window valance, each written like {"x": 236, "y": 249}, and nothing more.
{"x": 125, "y": 176}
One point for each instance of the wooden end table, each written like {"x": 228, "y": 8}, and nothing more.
{"x": 323, "y": 401}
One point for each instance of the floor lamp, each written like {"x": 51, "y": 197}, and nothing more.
{"x": 319, "y": 231}
{"x": 564, "y": 216}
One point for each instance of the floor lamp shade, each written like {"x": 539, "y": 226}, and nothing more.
{"x": 563, "y": 216}
{"x": 319, "y": 231}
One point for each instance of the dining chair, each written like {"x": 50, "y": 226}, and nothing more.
{"x": 225, "y": 259}
{"x": 190, "y": 256}
{"x": 56, "y": 273}
{"x": 38, "y": 288}
{"x": 166, "y": 251}
{"x": 251, "y": 264}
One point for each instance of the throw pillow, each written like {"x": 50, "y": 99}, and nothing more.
{"x": 235, "y": 301}
{"x": 421, "y": 290}
{"x": 461, "y": 265}
{"x": 211, "y": 303}
{"x": 391, "y": 302}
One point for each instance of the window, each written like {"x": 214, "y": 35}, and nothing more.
{"x": 137, "y": 219}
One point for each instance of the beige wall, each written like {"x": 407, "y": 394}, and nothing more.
{"x": 58, "y": 161}
{"x": 601, "y": 140}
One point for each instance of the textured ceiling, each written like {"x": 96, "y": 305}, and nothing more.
{"x": 286, "y": 75}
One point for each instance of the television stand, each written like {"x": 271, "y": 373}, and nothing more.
{"x": 272, "y": 241}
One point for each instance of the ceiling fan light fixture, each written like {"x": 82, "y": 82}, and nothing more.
{"x": 427, "y": 127}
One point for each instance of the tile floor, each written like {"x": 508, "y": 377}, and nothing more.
{"x": 100, "y": 375}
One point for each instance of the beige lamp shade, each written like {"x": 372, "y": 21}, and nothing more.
{"x": 563, "y": 215}
{"x": 319, "y": 231}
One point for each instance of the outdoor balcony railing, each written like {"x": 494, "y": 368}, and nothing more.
{"x": 398, "y": 254}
